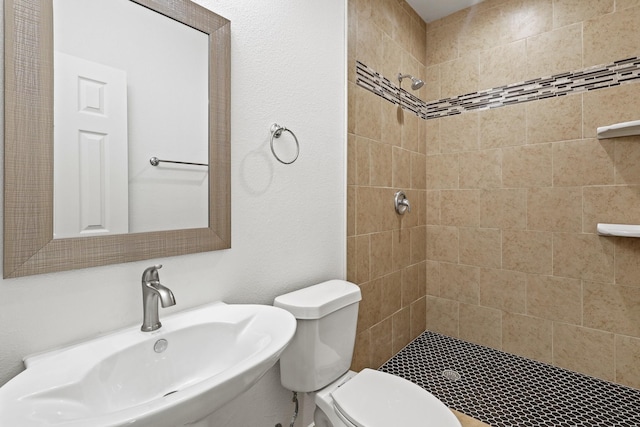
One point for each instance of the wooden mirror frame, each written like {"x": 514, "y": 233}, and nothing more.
{"x": 29, "y": 247}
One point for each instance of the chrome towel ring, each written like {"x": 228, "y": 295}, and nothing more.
{"x": 276, "y": 132}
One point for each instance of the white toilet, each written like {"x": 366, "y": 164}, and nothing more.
{"x": 318, "y": 359}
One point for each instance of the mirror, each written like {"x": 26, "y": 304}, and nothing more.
{"x": 113, "y": 112}
{"x": 29, "y": 244}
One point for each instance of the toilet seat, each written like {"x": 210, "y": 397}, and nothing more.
{"x": 377, "y": 399}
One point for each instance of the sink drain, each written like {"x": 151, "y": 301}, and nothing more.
{"x": 452, "y": 375}
{"x": 171, "y": 392}
{"x": 160, "y": 345}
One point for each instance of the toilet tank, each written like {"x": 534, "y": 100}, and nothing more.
{"x": 322, "y": 347}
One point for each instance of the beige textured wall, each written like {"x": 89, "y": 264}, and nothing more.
{"x": 386, "y": 151}
{"x": 506, "y": 201}
{"x": 514, "y": 194}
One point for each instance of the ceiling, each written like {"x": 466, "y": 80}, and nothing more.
{"x": 430, "y": 10}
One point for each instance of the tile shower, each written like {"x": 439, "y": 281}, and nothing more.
{"x": 501, "y": 248}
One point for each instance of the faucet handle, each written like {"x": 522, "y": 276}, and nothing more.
{"x": 401, "y": 203}
{"x": 151, "y": 273}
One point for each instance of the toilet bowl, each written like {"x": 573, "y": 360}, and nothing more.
{"x": 377, "y": 399}
{"x": 318, "y": 357}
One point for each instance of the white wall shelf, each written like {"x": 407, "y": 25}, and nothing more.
{"x": 622, "y": 230}
{"x": 619, "y": 129}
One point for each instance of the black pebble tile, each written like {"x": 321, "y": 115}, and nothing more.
{"x": 502, "y": 389}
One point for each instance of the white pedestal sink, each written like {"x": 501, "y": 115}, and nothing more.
{"x": 199, "y": 360}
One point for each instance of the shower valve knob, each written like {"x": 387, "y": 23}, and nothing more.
{"x": 401, "y": 203}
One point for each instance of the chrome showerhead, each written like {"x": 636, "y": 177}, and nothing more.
{"x": 416, "y": 83}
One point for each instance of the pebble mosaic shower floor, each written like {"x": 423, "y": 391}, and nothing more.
{"x": 505, "y": 390}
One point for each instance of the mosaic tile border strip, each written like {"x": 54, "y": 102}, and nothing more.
{"x": 598, "y": 77}
{"x": 504, "y": 390}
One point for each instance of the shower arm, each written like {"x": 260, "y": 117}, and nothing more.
{"x": 416, "y": 83}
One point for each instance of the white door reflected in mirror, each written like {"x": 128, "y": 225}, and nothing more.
{"x": 91, "y": 194}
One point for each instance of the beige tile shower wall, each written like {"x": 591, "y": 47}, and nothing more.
{"x": 386, "y": 152}
{"x": 514, "y": 194}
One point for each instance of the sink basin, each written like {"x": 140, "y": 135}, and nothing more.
{"x": 199, "y": 360}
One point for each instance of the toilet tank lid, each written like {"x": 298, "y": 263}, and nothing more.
{"x": 319, "y": 300}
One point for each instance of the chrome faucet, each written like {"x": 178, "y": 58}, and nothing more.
{"x": 151, "y": 291}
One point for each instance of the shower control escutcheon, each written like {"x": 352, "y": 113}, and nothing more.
{"x": 401, "y": 203}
